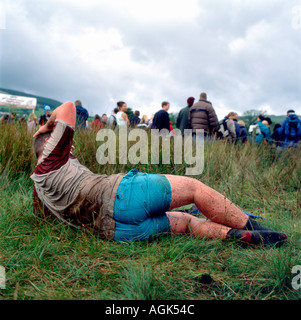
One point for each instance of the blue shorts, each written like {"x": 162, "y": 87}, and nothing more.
{"x": 140, "y": 206}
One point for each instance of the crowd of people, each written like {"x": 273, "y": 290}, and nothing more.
{"x": 202, "y": 115}
{"x": 195, "y": 115}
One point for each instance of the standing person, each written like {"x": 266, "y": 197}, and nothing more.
{"x": 122, "y": 119}
{"x": 32, "y": 122}
{"x": 228, "y": 128}
{"x": 290, "y": 130}
{"x": 130, "y": 207}
{"x": 182, "y": 120}
{"x": 243, "y": 134}
{"x": 135, "y": 120}
{"x": 276, "y": 136}
{"x": 96, "y": 124}
{"x": 202, "y": 116}
{"x": 82, "y": 115}
{"x": 237, "y": 127}
{"x": 266, "y": 123}
{"x": 150, "y": 122}
{"x": 104, "y": 119}
{"x": 44, "y": 118}
{"x": 112, "y": 119}
{"x": 143, "y": 123}
{"x": 161, "y": 118}
{"x": 262, "y": 132}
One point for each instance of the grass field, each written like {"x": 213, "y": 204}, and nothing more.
{"x": 46, "y": 259}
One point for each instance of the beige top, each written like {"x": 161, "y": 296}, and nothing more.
{"x": 70, "y": 190}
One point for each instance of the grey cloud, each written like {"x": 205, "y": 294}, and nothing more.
{"x": 185, "y": 57}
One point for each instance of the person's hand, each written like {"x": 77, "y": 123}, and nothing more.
{"x": 42, "y": 129}
{"x": 72, "y": 148}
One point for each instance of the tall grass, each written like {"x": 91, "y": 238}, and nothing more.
{"x": 16, "y": 148}
{"x": 46, "y": 259}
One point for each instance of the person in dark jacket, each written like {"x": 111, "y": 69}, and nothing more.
{"x": 82, "y": 115}
{"x": 161, "y": 118}
{"x": 276, "y": 136}
{"x": 290, "y": 130}
{"x": 243, "y": 134}
{"x": 182, "y": 120}
{"x": 44, "y": 118}
{"x": 135, "y": 120}
{"x": 237, "y": 126}
{"x": 202, "y": 116}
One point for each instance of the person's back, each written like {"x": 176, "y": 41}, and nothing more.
{"x": 96, "y": 123}
{"x": 161, "y": 118}
{"x": 43, "y": 119}
{"x": 276, "y": 136}
{"x": 112, "y": 120}
{"x": 237, "y": 128}
{"x": 202, "y": 116}
{"x": 82, "y": 115}
{"x": 243, "y": 134}
{"x": 183, "y": 117}
{"x": 228, "y": 128}
{"x": 264, "y": 135}
{"x": 291, "y": 130}
{"x": 135, "y": 120}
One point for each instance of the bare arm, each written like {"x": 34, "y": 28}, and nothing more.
{"x": 125, "y": 117}
{"x": 65, "y": 112}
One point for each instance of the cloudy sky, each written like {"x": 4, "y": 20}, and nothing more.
{"x": 246, "y": 54}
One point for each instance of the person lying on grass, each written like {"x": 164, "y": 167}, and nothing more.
{"x": 132, "y": 206}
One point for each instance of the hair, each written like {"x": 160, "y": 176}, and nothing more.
{"x": 164, "y": 103}
{"x": 32, "y": 117}
{"x": 190, "y": 101}
{"x": 97, "y": 117}
{"x": 241, "y": 122}
{"x": 203, "y": 95}
{"x": 144, "y": 119}
{"x": 104, "y": 114}
{"x": 38, "y": 143}
{"x": 269, "y": 120}
{"x": 78, "y": 103}
{"x": 290, "y": 111}
{"x": 231, "y": 114}
{"x": 137, "y": 113}
{"x": 120, "y": 104}
{"x": 261, "y": 117}
{"x": 116, "y": 110}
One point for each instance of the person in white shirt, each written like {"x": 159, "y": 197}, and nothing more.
{"x": 121, "y": 117}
